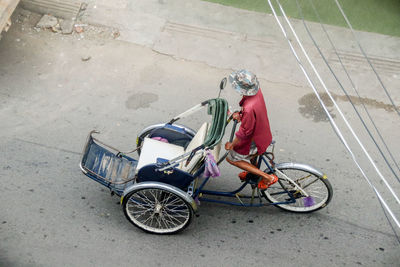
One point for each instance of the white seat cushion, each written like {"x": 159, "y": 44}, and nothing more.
{"x": 153, "y": 149}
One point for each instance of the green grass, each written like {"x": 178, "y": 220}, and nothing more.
{"x": 380, "y": 16}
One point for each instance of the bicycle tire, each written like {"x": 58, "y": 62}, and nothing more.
{"x": 318, "y": 187}
{"x": 157, "y": 211}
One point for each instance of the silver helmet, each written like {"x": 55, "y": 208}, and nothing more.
{"x": 244, "y": 82}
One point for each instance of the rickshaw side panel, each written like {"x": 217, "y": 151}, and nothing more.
{"x": 174, "y": 177}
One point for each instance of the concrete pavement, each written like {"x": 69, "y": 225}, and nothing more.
{"x": 222, "y": 37}
{"x": 165, "y": 61}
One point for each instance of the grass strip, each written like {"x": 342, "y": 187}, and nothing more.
{"x": 379, "y": 16}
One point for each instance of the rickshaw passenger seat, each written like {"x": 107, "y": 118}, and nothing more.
{"x": 153, "y": 149}
{"x": 197, "y": 141}
{"x": 173, "y": 134}
{"x": 216, "y": 151}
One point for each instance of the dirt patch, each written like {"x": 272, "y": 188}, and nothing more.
{"x": 311, "y": 108}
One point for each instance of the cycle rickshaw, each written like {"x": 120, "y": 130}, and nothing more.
{"x": 160, "y": 190}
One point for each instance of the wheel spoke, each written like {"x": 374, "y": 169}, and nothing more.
{"x": 158, "y": 221}
{"x": 138, "y": 213}
{"x": 176, "y": 209}
{"x": 145, "y": 199}
{"x": 172, "y": 218}
{"x": 148, "y": 199}
{"x": 169, "y": 223}
{"x": 301, "y": 178}
{"x": 155, "y": 196}
{"x": 305, "y": 186}
{"x": 140, "y": 205}
{"x": 157, "y": 210}
{"x": 314, "y": 186}
{"x": 174, "y": 201}
{"x": 165, "y": 200}
{"x": 142, "y": 215}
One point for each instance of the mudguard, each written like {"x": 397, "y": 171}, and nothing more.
{"x": 300, "y": 166}
{"x": 163, "y": 186}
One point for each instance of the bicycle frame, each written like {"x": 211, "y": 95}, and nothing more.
{"x": 200, "y": 191}
{"x": 236, "y": 193}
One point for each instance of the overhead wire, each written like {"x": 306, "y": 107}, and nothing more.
{"x": 390, "y": 223}
{"x": 344, "y": 90}
{"x": 367, "y": 58}
{"x": 335, "y": 127}
{"x": 336, "y": 106}
{"x": 354, "y": 88}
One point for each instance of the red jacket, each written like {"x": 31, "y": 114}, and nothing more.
{"x": 254, "y": 125}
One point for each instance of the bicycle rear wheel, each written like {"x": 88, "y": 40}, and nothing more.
{"x": 317, "y": 187}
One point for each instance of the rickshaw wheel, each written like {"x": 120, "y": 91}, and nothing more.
{"x": 157, "y": 211}
{"x": 318, "y": 187}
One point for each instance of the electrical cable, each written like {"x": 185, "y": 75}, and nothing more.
{"x": 390, "y": 223}
{"x": 344, "y": 91}
{"x": 354, "y": 87}
{"x": 336, "y": 106}
{"x": 326, "y": 62}
{"x": 365, "y": 55}
{"x": 336, "y": 129}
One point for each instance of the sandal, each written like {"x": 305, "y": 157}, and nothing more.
{"x": 243, "y": 175}
{"x": 264, "y": 185}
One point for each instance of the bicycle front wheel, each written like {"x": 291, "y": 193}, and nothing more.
{"x": 317, "y": 190}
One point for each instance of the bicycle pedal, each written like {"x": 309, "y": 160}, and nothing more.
{"x": 252, "y": 178}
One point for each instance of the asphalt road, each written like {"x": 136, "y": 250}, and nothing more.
{"x": 52, "y": 215}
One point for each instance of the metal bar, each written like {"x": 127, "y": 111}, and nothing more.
{"x": 227, "y": 194}
{"x": 231, "y": 203}
{"x": 230, "y": 140}
{"x": 187, "y": 112}
{"x": 198, "y": 190}
{"x": 243, "y": 205}
{"x": 174, "y": 161}
{"x": 293, "y": 183}
{"x": 265, "y": 161}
